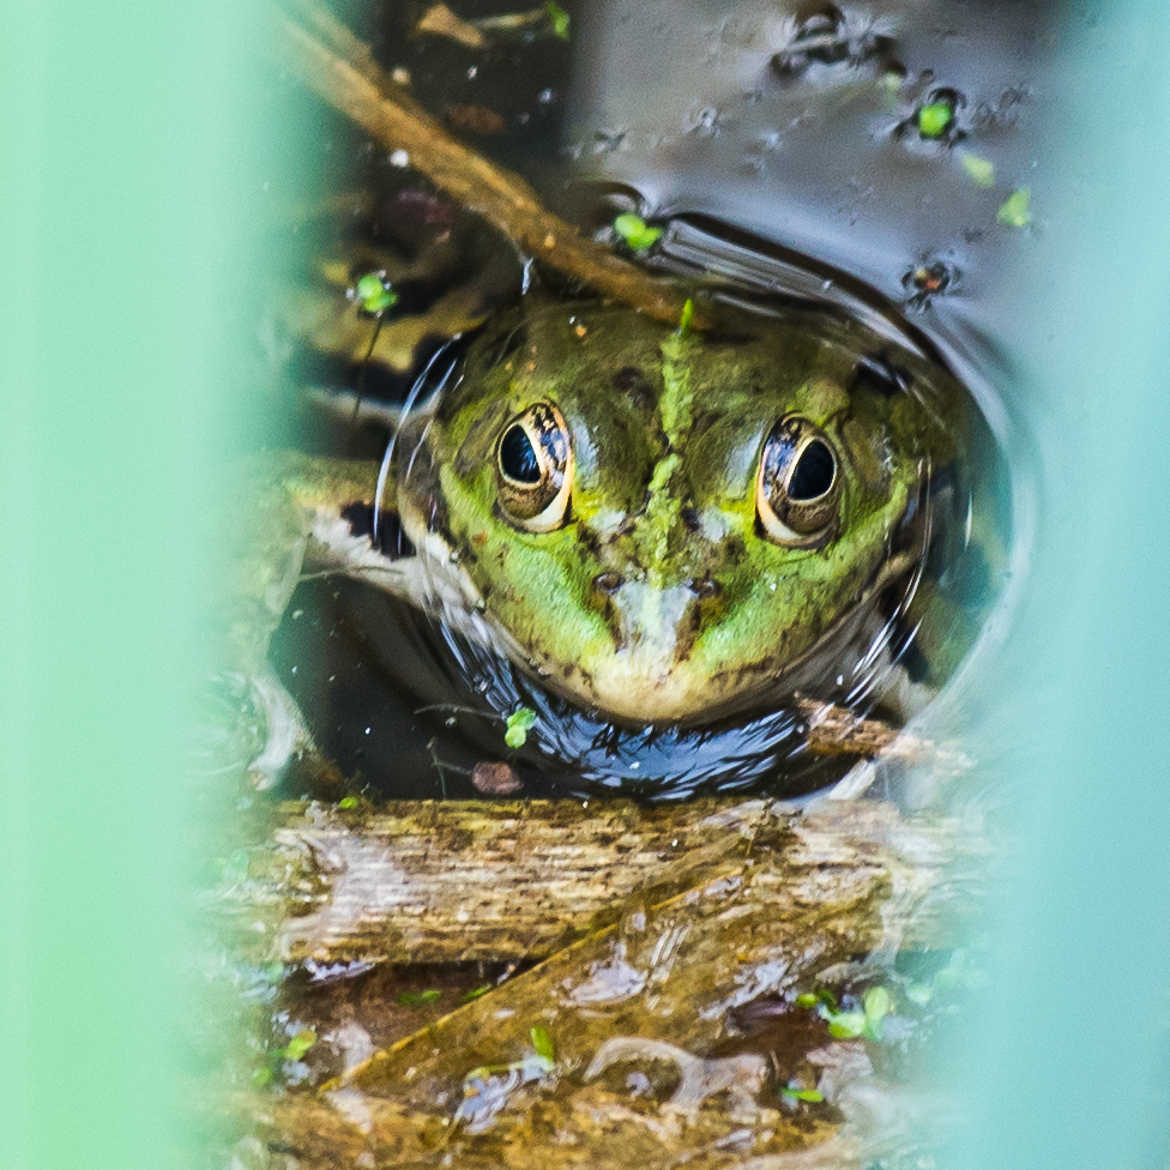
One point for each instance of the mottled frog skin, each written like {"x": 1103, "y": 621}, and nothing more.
{"x": 662, "y": 528}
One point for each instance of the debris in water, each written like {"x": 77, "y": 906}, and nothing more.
{"x": 1016, "y": 210}
{"x": 559, "y": 20}
{"x": 475, "y": 119}
{"x": 637, "y": 234}
{"x": 981, "y": 170}
{"x": 543, "y": 1043}
{"x": 373, "y": 294}
{"x": 793, "y": 1092}
{"x": 416, "y": 999}
{"x": 519, "y": 724}
{"x": 935, "y": 119}
{"x": 495, "y": 778}
{"x": 441, "y": 21}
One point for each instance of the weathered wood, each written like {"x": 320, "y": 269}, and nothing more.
{"x": 504, "y": 880}
{"x": 794, "y": 901}
{"x": 590, "y": 1128}
{"x": 845, "y": 881}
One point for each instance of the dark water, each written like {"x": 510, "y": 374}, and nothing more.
{"x": 778, "y": 144}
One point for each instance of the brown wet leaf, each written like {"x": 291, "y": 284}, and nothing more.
{"x": 476, "y": 119}
{"x": 494, "y": 778}
{"x": 440, "y": 21}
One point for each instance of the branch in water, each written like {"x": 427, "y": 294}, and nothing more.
{"x": 338, "y": 67}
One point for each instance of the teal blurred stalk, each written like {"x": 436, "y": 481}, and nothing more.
{"x": 120, "y": 158}
{"x": 1066, "y": 1058}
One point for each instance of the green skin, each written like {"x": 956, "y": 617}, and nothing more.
{"x": 666, "y": 435}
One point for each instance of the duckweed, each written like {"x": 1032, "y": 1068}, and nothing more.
{"x": 636, "y": 232}
{"x": 373, "y": 295}
{"x": 518, "y": 725}
{"x": 935, "y": 118}
{"x": 1016, "y": 210}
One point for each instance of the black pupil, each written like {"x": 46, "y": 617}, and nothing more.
{"x": 813, "y": 475}
{"x": 517, "y": 457}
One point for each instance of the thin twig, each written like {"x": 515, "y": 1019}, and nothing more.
{"x": 338, "y": 67}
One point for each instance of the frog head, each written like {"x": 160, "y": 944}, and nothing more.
{"x": 666, "y": 527}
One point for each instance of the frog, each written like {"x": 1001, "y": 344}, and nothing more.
{"x": 663, "y": 528}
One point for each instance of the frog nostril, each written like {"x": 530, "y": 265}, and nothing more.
{"x": 703, "y": 587}
{"x": 608, "y": 582}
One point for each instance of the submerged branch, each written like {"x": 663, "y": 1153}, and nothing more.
{"x": 338, "y": 67}
{"x": 773, "y": 903}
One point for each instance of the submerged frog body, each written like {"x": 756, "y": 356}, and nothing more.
{"x": 663, "y": 528}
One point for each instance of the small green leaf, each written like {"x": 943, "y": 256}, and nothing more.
{"x": 542, "y": 1042}
{"x": 794, "y": 1093}
{"x": 368, "y": 286}
{"x": 262, "y": 1076}
{"x": 846, "y": 1025}
{"x": 559, "y": 19}
{"x": 418, "y": 998}
{"x": 807, "y": 999}
{"x": 518, "y": 725}
{"x": 1016, "y": 210}
{"x": 347, "y": 802}
{"x": 373, "y": 295}
{"x": 981, "y": 170}
{"x": 686, "y": 317}
{"x": 296, "y": 1048}
{"x": 637, "y": 234}
{"x": 934, "y": 119}
{"x": 476, "y": 992}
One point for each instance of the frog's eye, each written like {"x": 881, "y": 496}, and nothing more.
{"x": 534, "y": 469}
{"x": 798, "y": 485}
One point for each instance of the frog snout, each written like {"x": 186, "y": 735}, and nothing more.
{"x": 649, "y": 621}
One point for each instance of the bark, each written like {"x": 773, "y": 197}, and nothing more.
{"x": 784, "y": 903}
{"x": 592, "y": 1128}
{"x": 427, "y": 882}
